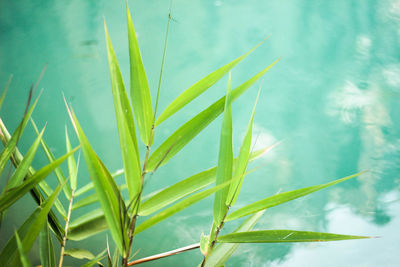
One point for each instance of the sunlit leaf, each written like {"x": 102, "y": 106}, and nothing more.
{"x": 140, "y": 92}
{"x": 185, "y": 203}
{"x": 47, "y": 256}
{"x": 89, "y": 186}
{"x": 222, "y": 252}
{"x": 193, "y": 127}
{"x": 59, "y": 174}
{"x": 282, "y": 236}
{"x": 199, "y": 87}
{"x": 126, "y": 126}
{"x": 12, "y": 143}
{"x": 204, "y": 240}
{"x": 73, "y": 171}
{"x": 79, "y": 253}
{"x": 241, "y": 165}
{"x": 282, "y": 198}
{"x": 107, "y": 191}
{"x": 225, "y": 159}
{"x": 12, "y": 195}
{"x": 23, "y": 167}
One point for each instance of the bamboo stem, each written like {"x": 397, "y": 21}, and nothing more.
{"x": 64, "y": 242}
{"x": 165, "y": 254}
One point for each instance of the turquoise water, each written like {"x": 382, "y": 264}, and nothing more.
{"x": 333, "y": 100}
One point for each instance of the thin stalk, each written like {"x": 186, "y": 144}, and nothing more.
{"x": 165, "y": 254}
{"x": 163, "y": 61}
{"x": 64, "y": 242}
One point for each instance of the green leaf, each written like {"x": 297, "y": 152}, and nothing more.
{"x": 96, "y": 260}
{"x": 91, "y": 199}
{"x": 12, "y": 195}
{"x": 12, "y": 143}
{"x": 107, "y": 191}
{"x": 184, "y": 188}
{"x": 200, "y": 87}
{"x": 177, "y": 191}
{"x": 79, "y": 253}
{"x": 87, "y": 225}
{"x": 73, "y": 171}
{"x": 11, "y": 245}
{"x": 140, "y": 92}
{"x": 37, "y": 224}
{"x": 3, "y": 95}
{"x": 24, "y": 260}
{"x": 193, "y": 127}
{"x": 204, "y": 240}
{"x": 222, "y": 252}
{"x": 126, "y": 126}
{"x": 282, "y": 198}
{"x": 59, "y": 174}
{"x": 283, "y": 236}
{"x": 225, "y": 158}
{"x": 244, "y": 155}
{"x": 24, "y": 165}
{"x": 89, "y": 186}
{"x": 185, "y": 203}
{"x": 47, "y": 256}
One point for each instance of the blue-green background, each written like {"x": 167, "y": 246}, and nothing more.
{"x": 333, "y": 100}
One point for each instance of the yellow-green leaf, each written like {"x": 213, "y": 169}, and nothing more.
{"x": 47, "y": 256}
{"x": 244, "y": 155}
{"x": 107, "y": 191}
{"x": 190, "y": 129}
{"x": 199, "y": 87}
{"x": 283, "y": 236}
{"x": 140, "y": 92}
{"x": 282, "y": 198}
{"x": 225, "y": 159}
{"x": 126, "y": 126}
{"x": 72, "y": 168}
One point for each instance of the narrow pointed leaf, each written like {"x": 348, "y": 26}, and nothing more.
{"x": 183, "y": 188}
{"x": 23, "y": 167}
{"x": 89, "y": 186}
{"x": 193, "y": 127}
{"x": 4, "y": 93}
{"x": 225, "y": 159}
{"x": 126, "y": 126}
{"x": 73, "y": 171}
{"x": 59, "y": 174}
{"x": 198, "y": 88}
{"x": 185, "y": 203}
{"x": 47, "y": 256}
{"x": 37, "y": 224}
{"x": 87, "y": 225}
{"x": 96, "y": 260}
{"x": 107, "y": 191}
{"x": 9, "y": 148}
{"x": 244, "y": 155}
{"x": 283, "y": 236}
{"x": 24, "y": 260}
{"x": 140, "y": 92}
{"x": 11, "y": 245}
{"x": 12, "y": 195}
{"x": 282, "y": 198}
{"x": 222, "y": 252}
{"x": 91, "y": 199}
{"x": 79, "y": 253}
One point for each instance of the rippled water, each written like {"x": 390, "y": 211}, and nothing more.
{"x": 333, "y": 99}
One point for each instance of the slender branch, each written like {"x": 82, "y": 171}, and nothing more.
{"x": 162, "y": 62}
{"x": 64, "y": 242}
{"x": 165, "y": 254}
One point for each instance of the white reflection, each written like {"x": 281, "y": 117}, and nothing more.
{"x": 351, "y": 253}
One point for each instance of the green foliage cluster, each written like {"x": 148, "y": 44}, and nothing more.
{"x": 118, "y": 214}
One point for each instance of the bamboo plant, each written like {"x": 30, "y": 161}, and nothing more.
{"x": 137, "y": 121}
